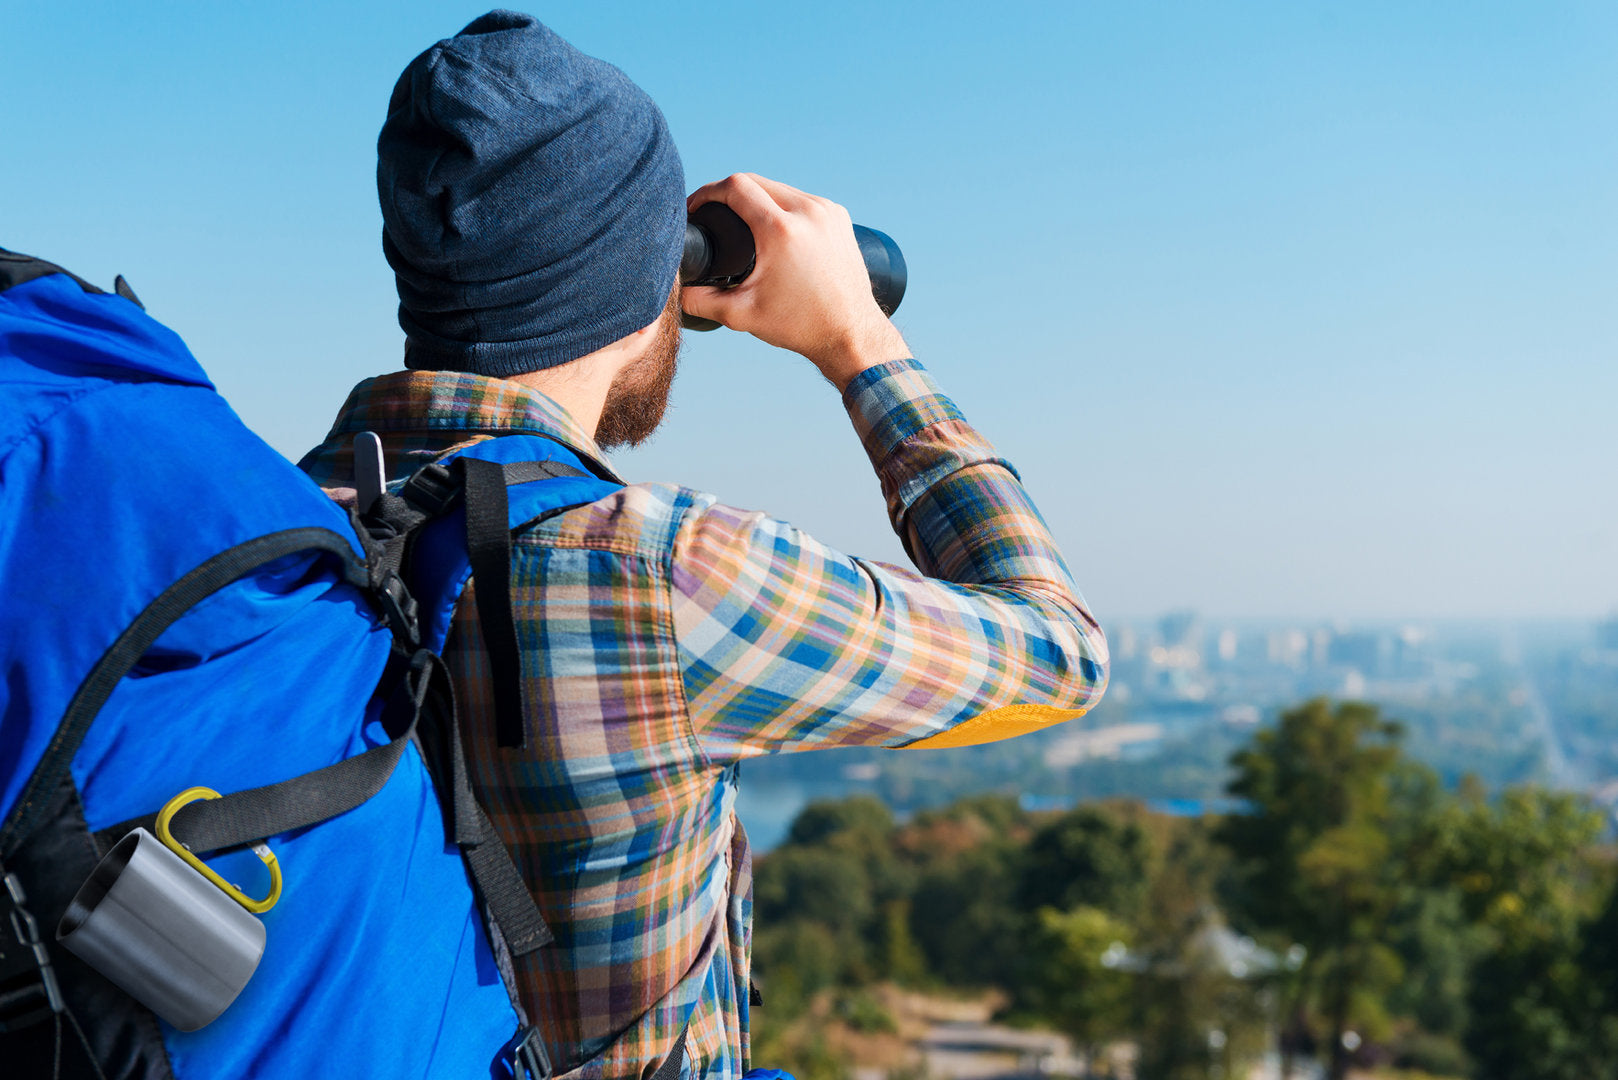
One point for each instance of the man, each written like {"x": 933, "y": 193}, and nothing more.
{"x": 534, "y": 215}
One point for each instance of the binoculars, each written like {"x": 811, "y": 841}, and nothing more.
{"x": 719, "y": 251}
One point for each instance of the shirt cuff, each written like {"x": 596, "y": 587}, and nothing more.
{"x": 891, "y": 402}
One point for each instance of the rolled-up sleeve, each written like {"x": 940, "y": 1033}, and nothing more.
{"x": 788, "y": 644}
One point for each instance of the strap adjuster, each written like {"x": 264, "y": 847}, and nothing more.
{"x": 399, "y": 607}
{"x": 432, "y": 489}
{"x": 527, "y": 1055}
{"x": 28, "y": 989}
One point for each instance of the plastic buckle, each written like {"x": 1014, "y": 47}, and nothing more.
{"x": 432, "y": 490}
{"x": 527, "y": 1056}
{"x": 400, "y": 607}
{"x": 28, "y": 989}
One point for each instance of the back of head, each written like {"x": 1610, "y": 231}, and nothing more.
{"x": 533, "y": 204}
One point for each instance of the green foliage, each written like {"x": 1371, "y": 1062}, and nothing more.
{"x": 1067, "y": 984}
{"x": 1314, "y": 860}
{"x": 799, "y": 1048}
{"x": 1319, "y": 787}
{"x": 864, "y": 1013}
{"x": 902, "y": 960}
{"x": 795, "y": 960}
{"x": 1420, "y": 1053}
{"x": 1534, "y": 1017}
{"x": 1521, "y": 868}
{"x": 1455, "y": 933}
{"x": 1085, "y": 858}
{"x": 965, "y": 919}
{"x": 1520, "y": 862}
{"x": 838, "y": 873}
{"x": 859, "y": 820}
{"x": 964, "y": 916}
{"x": 823, "y": 885}
{"x": 1185, "y": 995}
{"x": 1437, "y": 946}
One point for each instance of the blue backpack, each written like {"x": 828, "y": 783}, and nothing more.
{"x": 185, "y": 616}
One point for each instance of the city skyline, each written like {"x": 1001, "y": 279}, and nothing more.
{"x": 1281, "y": 311}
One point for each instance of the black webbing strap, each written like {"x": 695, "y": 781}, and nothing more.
{"x": 223, "y": 569}
{"x": 670, "y": 1069}
{"x": 246, "y": 817}
{"x": 18, "y": 269}
{"x": 488, "y": 543}
{"x": 510, "y": 905}
{"x": 432, "y": 489}
{"x": 523, "y": 472}
{"x": 529, "y": 1061}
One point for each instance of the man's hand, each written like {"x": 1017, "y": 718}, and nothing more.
{"x": 809, "y": 291}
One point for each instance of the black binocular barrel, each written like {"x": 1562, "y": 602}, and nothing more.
{"x": 719, "y": 251}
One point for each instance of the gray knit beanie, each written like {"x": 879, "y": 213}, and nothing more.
{"x": 533, "y": 204}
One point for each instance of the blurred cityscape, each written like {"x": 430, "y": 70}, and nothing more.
{"x": 1417, "y": 881}
{"x": 1505, "y": 702}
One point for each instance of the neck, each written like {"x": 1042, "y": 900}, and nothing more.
{"x": 579, "y": 386}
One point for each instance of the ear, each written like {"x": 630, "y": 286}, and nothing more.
{"x": 634, "y": 345}
{"x": 645, "y": 334}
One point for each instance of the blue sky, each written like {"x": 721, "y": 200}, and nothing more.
{"x": 1298, "y": 309}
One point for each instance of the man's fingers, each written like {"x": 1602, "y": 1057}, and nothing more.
{"x": 758, "y": 199}
{"x": 808, "y": 291}
{"x": 786, "y": 196}
{"x": 743, "y": 194}
{"x": 710, "y": 302}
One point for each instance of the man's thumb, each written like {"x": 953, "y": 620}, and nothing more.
{"x": 708, "y": 302}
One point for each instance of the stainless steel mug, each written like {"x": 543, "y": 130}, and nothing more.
{"x": 162, "y": 932}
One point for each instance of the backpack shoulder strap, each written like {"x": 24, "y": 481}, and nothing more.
{"x": 476, "y": 499}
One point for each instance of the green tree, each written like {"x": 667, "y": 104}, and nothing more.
{"x": 1438, "y": 947}
{"x": 859, "y": 820}
{"x": 1524, "y": 869}
{"x": 965, "y": 918}
{"x": 826, "y": 885}
{"x": 840, "y": 870}
{"x": 963, "y": 911}
{"x": 1314, "y": 860}
{"x": 1069, "y": 985}
{"x": 1195, "y": 1016}
{"x": 794, "y": 961}
{"x": 1088, "y": 857}
{"x": 901, "y": 957}
{"x": 1429, "y": 929}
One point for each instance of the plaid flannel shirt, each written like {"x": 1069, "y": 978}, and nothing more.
{"x": 667, "y": 637}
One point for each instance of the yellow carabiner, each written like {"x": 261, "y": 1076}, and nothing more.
{"x": 191, "y": 795}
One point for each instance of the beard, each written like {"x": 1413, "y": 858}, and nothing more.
{"x": 639, "y": 394}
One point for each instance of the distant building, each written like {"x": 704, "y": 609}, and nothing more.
{"x": 1287, "y": 647}
{"x": 1320, "y": 648}
{"x": 1180, "y": 629}
{"x": 1366, "y": 652}
{"x": 1241, "y": 716}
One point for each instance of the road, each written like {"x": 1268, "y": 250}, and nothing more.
{"x": 1564, "y": 769}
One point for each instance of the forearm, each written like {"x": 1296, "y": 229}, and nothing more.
{"x": 958, "y": 506}
{"x": 789, "y": 644}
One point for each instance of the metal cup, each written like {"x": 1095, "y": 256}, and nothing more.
{"x": 163, "y": 933}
